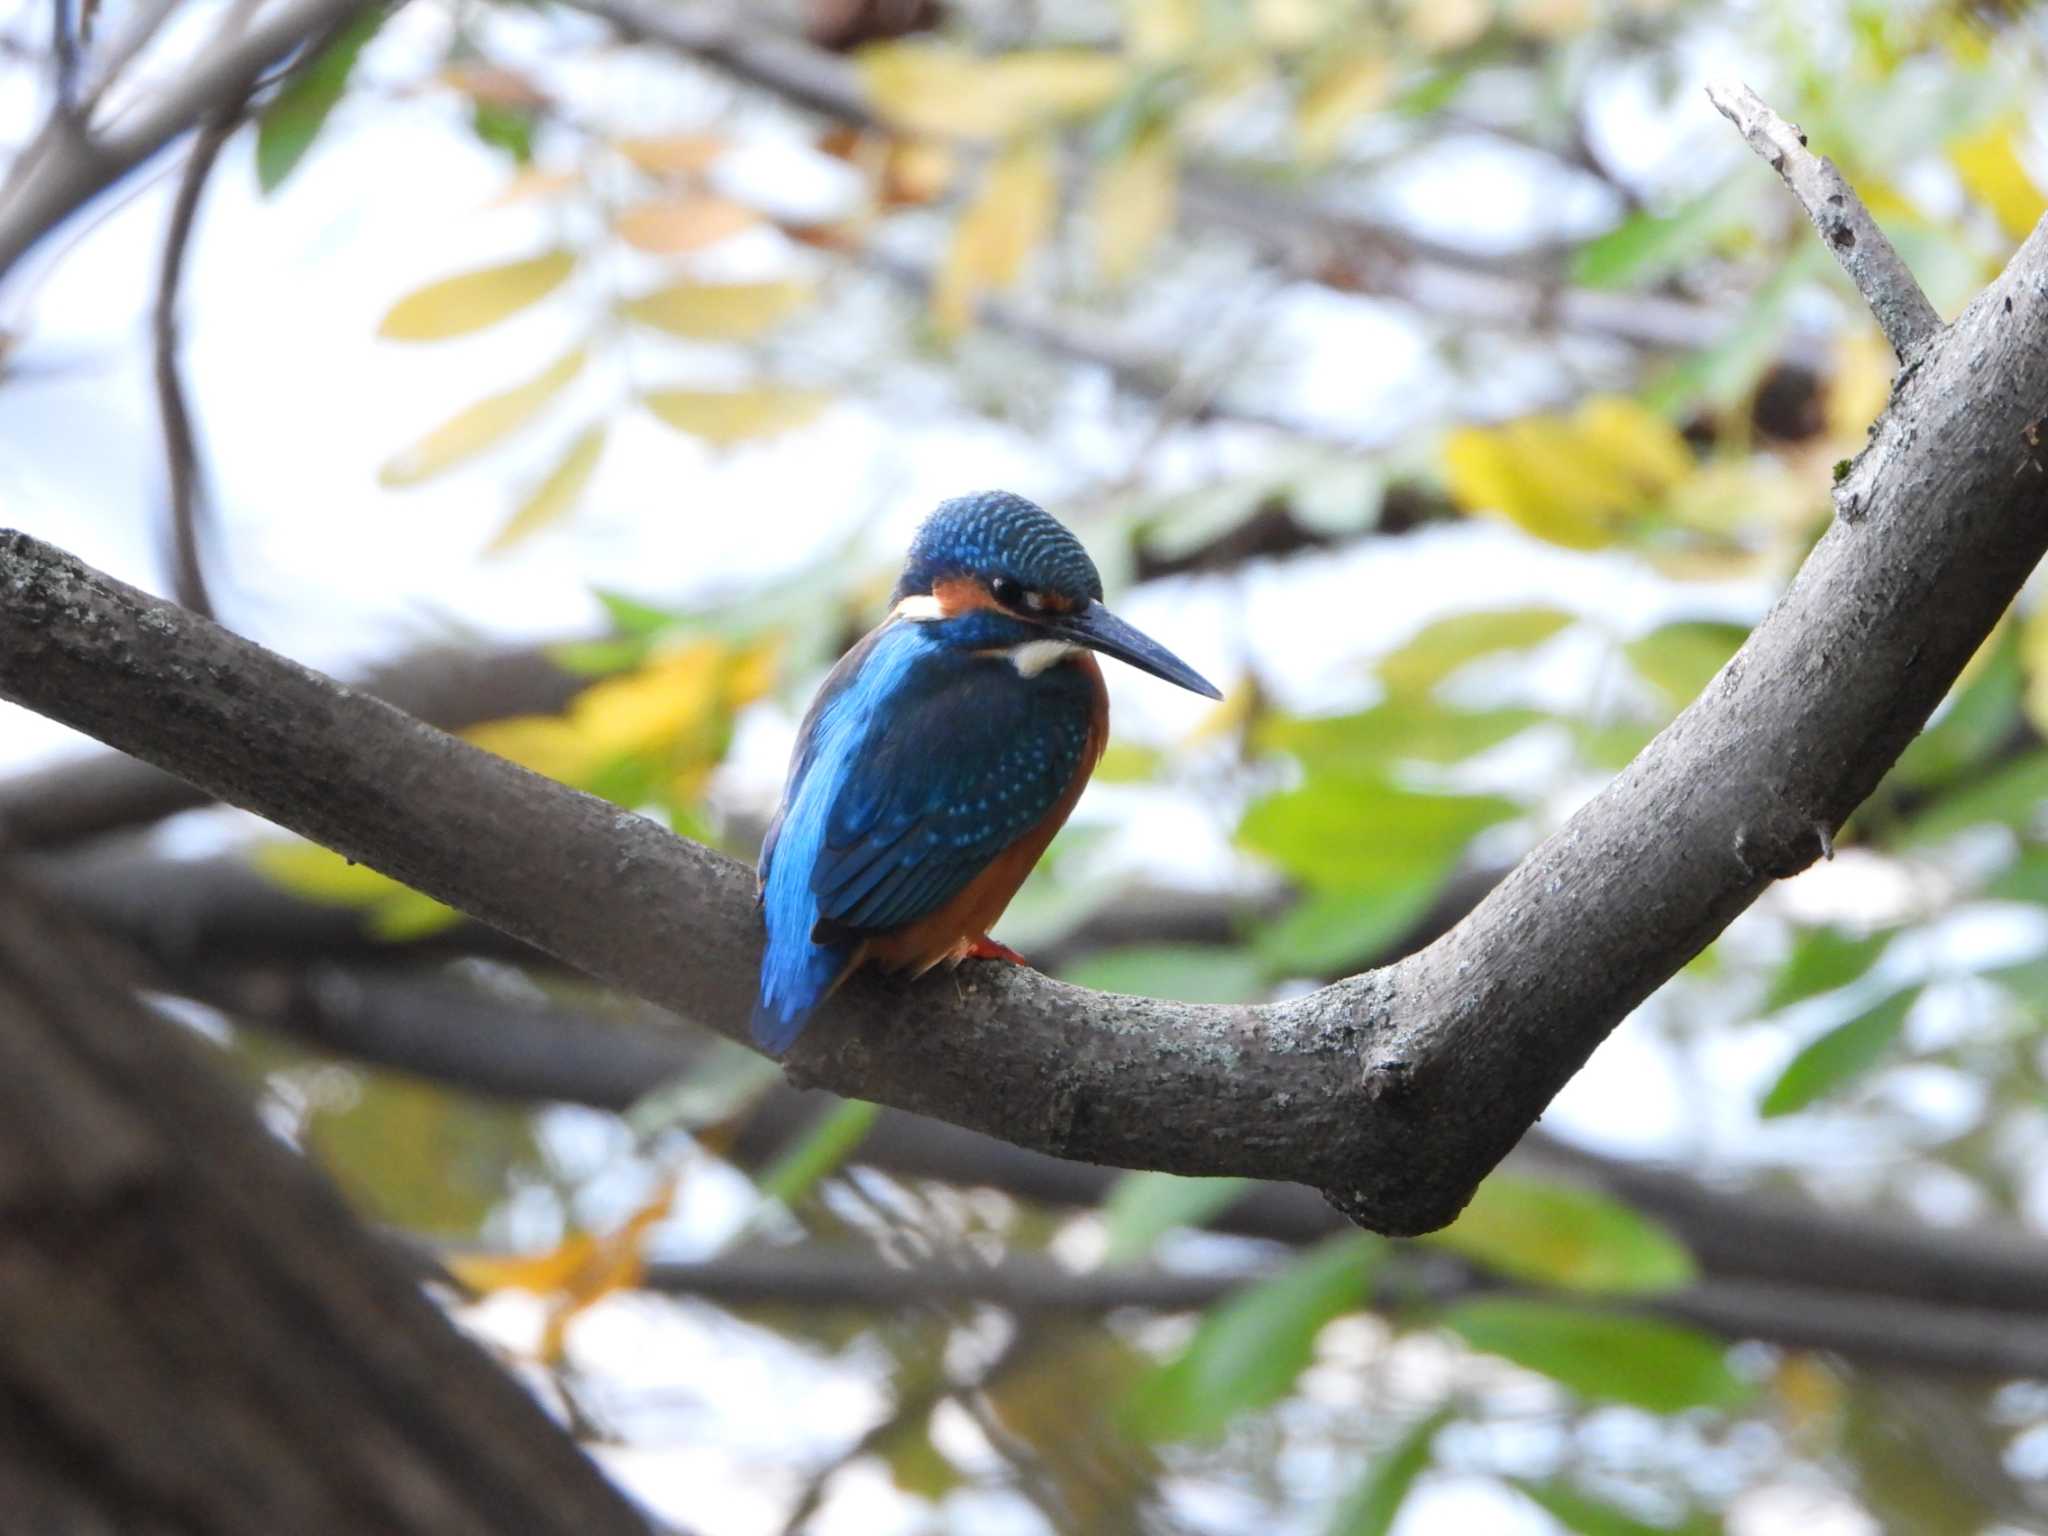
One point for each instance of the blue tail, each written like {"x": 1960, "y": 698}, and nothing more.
{"x": 795, "y": 976}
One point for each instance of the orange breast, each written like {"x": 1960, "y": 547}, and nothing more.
{"x": 947, "y": 932}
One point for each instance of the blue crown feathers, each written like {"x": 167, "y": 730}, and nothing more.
{"x": 996, "y": 533}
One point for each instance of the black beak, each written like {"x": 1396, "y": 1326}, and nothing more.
{"x": 1100, "y": 630}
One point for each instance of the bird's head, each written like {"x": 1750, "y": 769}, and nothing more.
{"x": 1011, "y": 572}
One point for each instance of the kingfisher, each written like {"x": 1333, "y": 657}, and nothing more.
{"x": 940, "y": 756}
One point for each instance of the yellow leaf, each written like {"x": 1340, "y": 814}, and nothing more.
{"x": 2033, "y": 664}
{"x": 1860, "y": 385}
{"x": 1343, "y": 92}
{"x": 494, "y": 85}
{"x": 718, "y": 311}
{"x": 669, "y": 226}
{"x": 1286, "y": 26}
{"x": 470, "y": 431}
{"x": 674, "y": 154}
{"x": 1634, "y": 440}
{"x": 1006, "y": 222}
{"x": 1989, "y": 165}
{"x": 1443, "y": 25}
{"x": 321, "y": 875}
{"x": 1550, "y": 18}
{"x": 938, "y": 89}
{"x": 1159, "y": 30}
{"x": 532, "y": 184}
{"x": 734, "y": 415}
{"x": 455, "y": 306}
{"x": 1131, "y": 204}
{"x": 577, "y": 1274}
{"x": 540, "y": 1274}
{"x": 1486, "y": 473}
{"x": 551, "y": 745}
{"x": 557, "y": 492}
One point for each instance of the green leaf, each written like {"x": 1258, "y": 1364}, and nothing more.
{"x": 1344, "y": 832}
{"x": 1609, "y": 1356}
{"x": 1144, "y": 1207}
{"x": 2010, "y": 797}
{"x": 1371, "y": 1507}
{"x": 287, "y": 127}
{"x": 1326, "y": 931}
{"x": 1565, "y": 1236}
{"x": 1400, "y": 730}
{"x": 1980, "y": 716}
{"x": 630, "y": 616}
{"x": 1439, "y": 649}
{"x": 1250, "y": 1348}
{"x": 1646, "y": 246}
{"x": 2025, "y": 879}
{"x": 1681, "y": 659}
{"x": 830, "y": 1142}
{"x": 1842, "y": 1054}
{"x": 504, "y": 127}
{"x": 1588, "y": 1516}
{"x": 1186, "y": 973}
{"x": 1822, "y": 960}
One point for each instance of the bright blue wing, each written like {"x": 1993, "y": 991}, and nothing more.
{"x": 966, "y": 757}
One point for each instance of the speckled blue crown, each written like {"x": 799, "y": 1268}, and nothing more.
{"x": 995, "y": 533}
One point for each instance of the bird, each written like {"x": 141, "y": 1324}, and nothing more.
{"x": 940, "y": 756}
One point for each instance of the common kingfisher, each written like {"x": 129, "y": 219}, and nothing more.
{"x": 940, "y": 756}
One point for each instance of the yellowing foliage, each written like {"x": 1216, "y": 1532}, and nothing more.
{"x": 734, "y": 415}
{"x": 1160, "y": 30}
{"x": 1007, "y": 221}
{"x": 1132, "y": 203}
{"x": 675, "y": 711}
{"x": 668, "y": 226}
{"x": 557, "y": 492}
{"x": 1340, "y": 94}
{"x": 455, "y": 306}
{"x": 938, "y": 89}
{"x": 674, "y": 154}
{"x": 575, "y": 1275}
{"x": 470, "y": 431}
{"x": 718, "y": 311}
{"x": 1571, "y": 480}
{"x": 1988, "y": 163}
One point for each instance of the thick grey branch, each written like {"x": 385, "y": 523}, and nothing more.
{"x": 1395, "y": 1091}
{"x": 1845, "y": 225}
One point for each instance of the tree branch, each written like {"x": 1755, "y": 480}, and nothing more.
{"x": 181, "y": 447}
{"x": 68, "y": 164}
{"x": 1845, "y": 225}
{"x": 1395, "y": 1091}
{"x": 1870, "y": 1331}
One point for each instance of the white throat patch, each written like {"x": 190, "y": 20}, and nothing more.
{"x": 1034, "y": 656}
{"x": 920, "y": 606}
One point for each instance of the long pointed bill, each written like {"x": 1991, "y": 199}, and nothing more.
{"x": 1100, "y": 630}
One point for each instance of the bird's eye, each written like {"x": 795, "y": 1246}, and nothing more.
{"x": 1006, "y": 591}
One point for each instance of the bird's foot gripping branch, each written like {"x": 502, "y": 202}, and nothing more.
{"x": 1395, "y": 1091}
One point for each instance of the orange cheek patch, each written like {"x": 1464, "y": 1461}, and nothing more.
{"x": 961, "y": 594}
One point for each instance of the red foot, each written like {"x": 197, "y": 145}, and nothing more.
{"x": 986, "y": 948}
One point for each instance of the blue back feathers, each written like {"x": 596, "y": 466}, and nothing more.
{"x": 995, "y": 533}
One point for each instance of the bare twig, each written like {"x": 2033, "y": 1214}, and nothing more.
{"x": 186, "y": 476}
{"x": 1869, "y": 1330}
{"x": 1845, "y": 225}
{"x": 65, "y": 167}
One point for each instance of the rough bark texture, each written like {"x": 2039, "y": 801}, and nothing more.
{"x": 1395, "y": 1091}
{"x": 195, "y": 1336}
